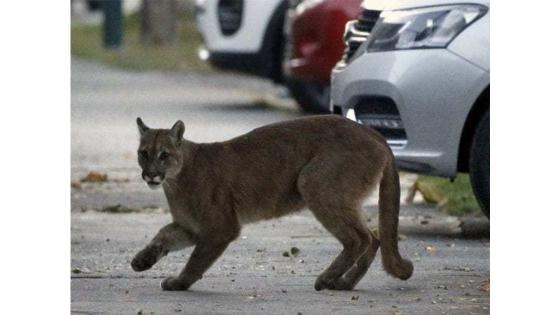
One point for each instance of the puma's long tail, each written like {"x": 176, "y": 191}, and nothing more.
{"x": 389, "y": 204}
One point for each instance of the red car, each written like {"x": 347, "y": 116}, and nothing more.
{"x": 314, "y": 44}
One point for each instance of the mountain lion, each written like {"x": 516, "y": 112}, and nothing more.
{"x": 327, "y": 163}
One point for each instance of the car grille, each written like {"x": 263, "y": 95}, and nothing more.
{"x": 356, "y": 33}
{"x": 230, "y": 13}
{"x": 367, "y": 20}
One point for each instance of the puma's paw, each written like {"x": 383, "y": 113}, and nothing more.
{"x": 173, "y": 284}
{"x": 322, "y": 283}
{"x": 145, "y": 259}
{"x": 342, "y": 284}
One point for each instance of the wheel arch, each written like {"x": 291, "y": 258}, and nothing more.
{"x": 480, "y": 106}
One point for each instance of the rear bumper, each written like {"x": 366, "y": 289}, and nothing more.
{"x": 433, "y": 91}
{"x": 256, "y": 16}
{"x": 313, "y": 52}
{"x": 253, "y": 48}
{"x": 249, "y": 63}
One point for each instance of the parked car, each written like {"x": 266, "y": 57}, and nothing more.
{"x": 313, "y": 32}
{"x": 243, "y": 35}
{"x": 419, "y": 72}
{"x": 254, "y": 37}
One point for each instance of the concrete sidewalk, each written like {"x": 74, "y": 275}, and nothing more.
{"x": 254, "y": 277}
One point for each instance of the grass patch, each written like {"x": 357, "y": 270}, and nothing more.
{"x": 459, "y": 195}
{"x": 86, "y": 42}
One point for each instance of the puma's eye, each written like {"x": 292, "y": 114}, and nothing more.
{"x": 163, "y": 156}
{"x": 143, "y": 154}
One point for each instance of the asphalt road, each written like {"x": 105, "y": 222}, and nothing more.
{"x": 252, "y": 276}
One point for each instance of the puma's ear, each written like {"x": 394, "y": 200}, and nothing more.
{"x": 141, "y": 126}
{"x": 178, "y": 130}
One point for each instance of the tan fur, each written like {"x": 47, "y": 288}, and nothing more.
{"x": 327, "y": 163}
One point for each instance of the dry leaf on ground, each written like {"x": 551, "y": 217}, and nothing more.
{"x": 484, "y": 286}
{"x": 94, "y": 177}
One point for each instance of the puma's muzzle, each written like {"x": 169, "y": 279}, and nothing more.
{"x": 153, "y": 182}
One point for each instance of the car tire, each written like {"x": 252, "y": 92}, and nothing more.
{"x": 312, "y": 97}
{"x": 479, "y": 163}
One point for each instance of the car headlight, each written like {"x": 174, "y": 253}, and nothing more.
{"x": 430, "y": 27}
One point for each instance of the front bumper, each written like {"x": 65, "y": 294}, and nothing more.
{"x": 433, "y": 90}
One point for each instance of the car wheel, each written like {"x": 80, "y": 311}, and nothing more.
{"x": 312, "y": 97}
{"x": 479, "y": 163}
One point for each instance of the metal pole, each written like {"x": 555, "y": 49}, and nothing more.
{"x": 112, "y": 25}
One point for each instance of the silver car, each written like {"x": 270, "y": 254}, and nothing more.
{"x": 418, "y": 71}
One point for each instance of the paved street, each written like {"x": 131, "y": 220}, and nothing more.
{"x": 253, "y": 276}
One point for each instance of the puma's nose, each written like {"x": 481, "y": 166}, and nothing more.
{"x": 149, "y": 176}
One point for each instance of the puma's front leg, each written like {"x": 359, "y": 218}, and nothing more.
{"x": 205, "y": 253}
{"x": 171, "y": 237}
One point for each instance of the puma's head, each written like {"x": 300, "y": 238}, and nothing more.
{"x": 159, "y": 153}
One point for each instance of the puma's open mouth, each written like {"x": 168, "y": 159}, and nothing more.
{"x": 153, "y": 185}
{"x": 153, "y": 182}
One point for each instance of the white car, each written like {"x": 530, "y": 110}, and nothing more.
{"x": 418, "y": 71}
{"x": 243, "y": 35}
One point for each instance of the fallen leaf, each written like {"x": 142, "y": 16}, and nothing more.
{"x": 120, "y": 180}
{"x": 124, "y": 209}
{"x": 118, "y": 209}
{"x": 485, "y": 286}
{"x": 94, "y": 177}
{"x": 431, "y": 193}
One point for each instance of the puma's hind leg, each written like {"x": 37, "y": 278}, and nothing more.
{"x": 355, "y": 239}
{"x": 349, "y": 280}
{"x": 337, "y": 209}
{"x": 171, "y": 237}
